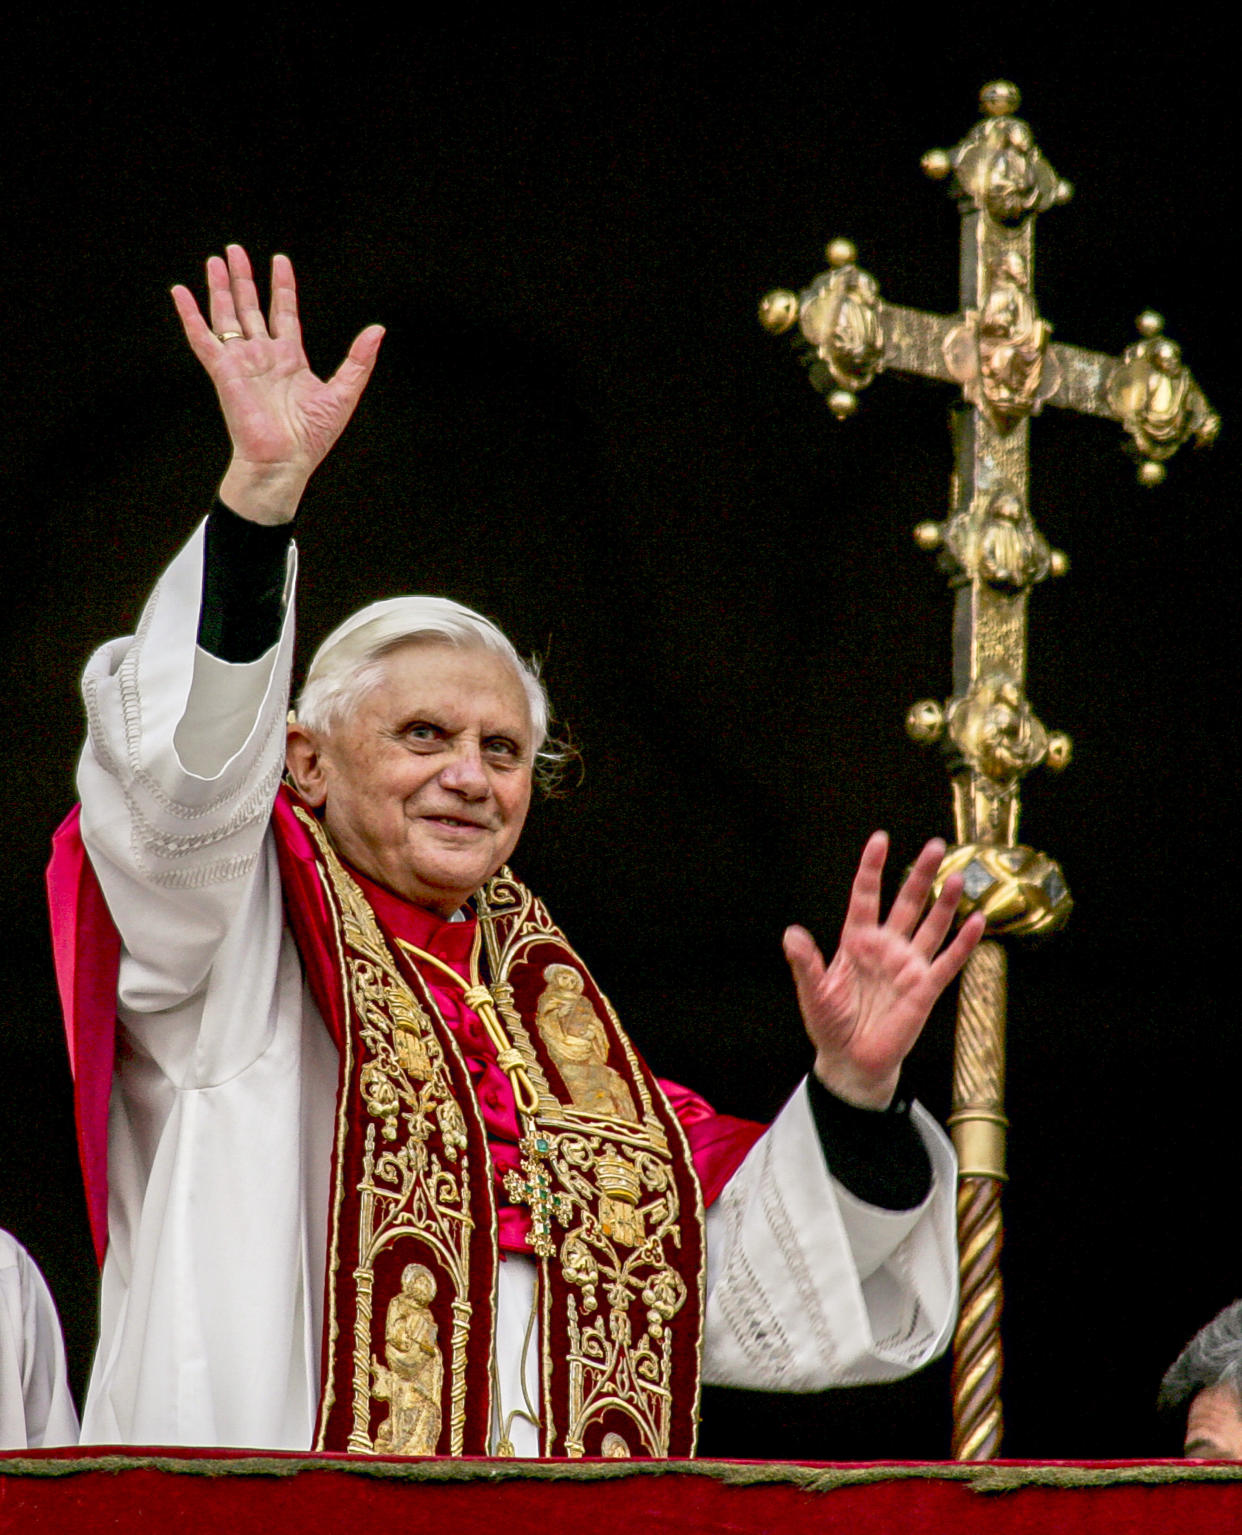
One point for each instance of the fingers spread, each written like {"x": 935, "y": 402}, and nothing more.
{"x": 197, "y": 331}
{"x": 939, "y": 919}
{"x": 912, "y": 897}
{"x": 245, "y": 294}
{"x": 946, "y": 965}
{"x": 220, "y": 305}
{"x": 351, "y": 377}
{"x": 284, "y": 307}
{"x": 864, "y": 907}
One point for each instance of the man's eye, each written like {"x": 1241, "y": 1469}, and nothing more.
{"x": 500, "y": 746}
{"x": 421, "y": 731}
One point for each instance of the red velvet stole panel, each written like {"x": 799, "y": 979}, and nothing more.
{"x": 605, "y": 1170}
{"x": 617, "y": 1212}
{"x": 409, "y": 1318}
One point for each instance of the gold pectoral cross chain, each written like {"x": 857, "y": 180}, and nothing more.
{"x": 532, "y": 1186}
{"x": 479, "y": 998}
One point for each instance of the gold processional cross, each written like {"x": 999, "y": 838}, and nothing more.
{"x": 999, "y": 351}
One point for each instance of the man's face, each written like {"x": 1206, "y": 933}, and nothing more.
{"x": 426, "y": 784}
{"x": 1214, "y": 1425}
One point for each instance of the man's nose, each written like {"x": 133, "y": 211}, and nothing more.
{"x": 464, "y": 773}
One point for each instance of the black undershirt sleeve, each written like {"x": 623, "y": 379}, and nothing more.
{"x": 878, "y": 1156}
{"x": 244, "y": 566}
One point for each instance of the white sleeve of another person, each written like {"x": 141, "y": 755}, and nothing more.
{"x": 36, "y": 1409}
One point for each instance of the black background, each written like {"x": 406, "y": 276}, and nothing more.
{"x": 577, "y": 426}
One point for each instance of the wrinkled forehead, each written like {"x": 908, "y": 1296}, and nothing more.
{"x": 429, "y": 663}
{"x": 457, "y": 687}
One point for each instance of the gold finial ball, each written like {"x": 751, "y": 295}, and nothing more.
{"x": 1060, "y": 751}
{"x": 927, "y": 535}
{"x": 1151, "y": 473}
{"x": 1150, "y": 323}
{"x": 1059, "y": 563}
{"x": 778, "y": 310}
{"x": 840, "y": 252}
{"x": 999, "y": 98}
{"x": 842, "y": 403}
{"x": 937, "y": 163}
{"x": 925, "y": 721}
{"x": 1062, "y": 192}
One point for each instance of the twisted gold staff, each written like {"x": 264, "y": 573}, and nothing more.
{"x": 978, "y": 1124}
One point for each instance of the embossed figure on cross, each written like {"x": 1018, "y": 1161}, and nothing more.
{"x": 999, "y": 350}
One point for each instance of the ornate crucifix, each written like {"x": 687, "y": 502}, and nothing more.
{"x": 999, "y": 351}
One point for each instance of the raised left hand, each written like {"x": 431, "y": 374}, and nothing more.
{"x": 864, "y": 1011}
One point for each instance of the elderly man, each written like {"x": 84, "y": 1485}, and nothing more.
{"x": 350, "y": 1041}
{"x": 1205, "y": 1382}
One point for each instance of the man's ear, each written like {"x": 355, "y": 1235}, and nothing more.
{"x": 304, "y": 763}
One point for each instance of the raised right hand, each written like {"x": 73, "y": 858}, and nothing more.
{"x": 281, "y": 419}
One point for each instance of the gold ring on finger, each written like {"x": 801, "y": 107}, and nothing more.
{"x": 230, "y": 335}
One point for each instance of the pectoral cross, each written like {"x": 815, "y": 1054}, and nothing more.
{"x": 999, "y": 351}
{"x": 533, "y": 1187}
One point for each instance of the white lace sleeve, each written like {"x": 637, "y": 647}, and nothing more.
{"x": 807, "y": 1286}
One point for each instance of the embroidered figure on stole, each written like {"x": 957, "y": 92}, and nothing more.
{"x": 413, "y": 1378}
{"x": 574, "y": 1034}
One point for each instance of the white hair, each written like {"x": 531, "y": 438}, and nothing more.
{"x": 349, "y": 663}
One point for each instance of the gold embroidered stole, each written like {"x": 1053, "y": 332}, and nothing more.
{"x": 617, "y": 1219}
{"x": 409, "y": 1305}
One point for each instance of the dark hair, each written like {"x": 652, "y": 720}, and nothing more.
{"x": 1213, "y": 1357}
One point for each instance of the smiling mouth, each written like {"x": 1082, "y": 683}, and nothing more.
{"x": 456, "y": 822}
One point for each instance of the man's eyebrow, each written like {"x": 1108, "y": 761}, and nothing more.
{"x": 1200, "y": 1448}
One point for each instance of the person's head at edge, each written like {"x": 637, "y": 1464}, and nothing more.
{"x": 1205, "y": 1383}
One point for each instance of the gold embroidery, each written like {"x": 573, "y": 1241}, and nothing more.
{"x": 406, "y": 1191}
{"x": 613, "y": 1360}
{"x": 618, "y": 1216}
{"x": 574, "y": 1035}
{"x": 598, "y": 1169}
{"x": 505, "y": 904}
{"x": 452, "y": 1127}
{"x": 614, "y": 1447}
{"x": 411, "y": 1049}
{"x": 413, "y": 1377}
{"x": 620, "y": 1341}
{"x": 381, "y": 1098}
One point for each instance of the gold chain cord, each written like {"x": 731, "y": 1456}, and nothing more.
{"x": 479, "y": 998}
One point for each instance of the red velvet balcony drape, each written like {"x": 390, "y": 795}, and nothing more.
{"x": 250, "y": 1494}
